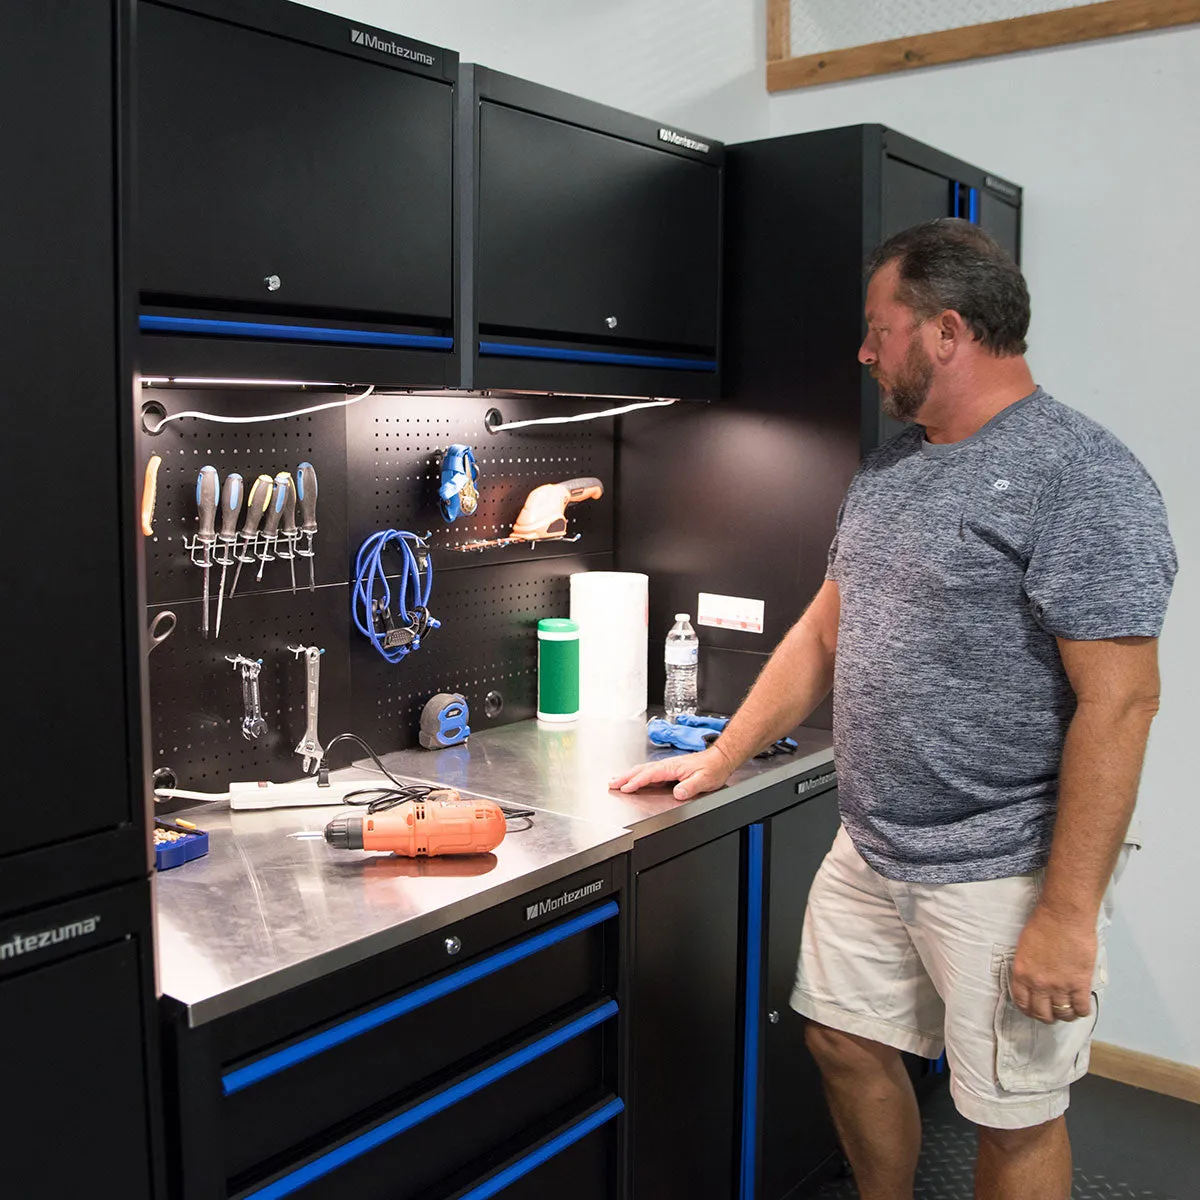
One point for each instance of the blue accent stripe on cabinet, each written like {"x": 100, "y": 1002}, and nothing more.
{"x": 754, "y": 911}
{"x": 555, "y": 1146}
{"x": 973, "y": 206}
{"x": 373, "y": 1138}
{"x": 153, "y": 323}
{"x": 272, "y": 1064}
{"x": 510, "y": 350}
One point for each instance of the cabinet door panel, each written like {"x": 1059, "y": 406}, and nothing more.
{"x": 577, "y": 226}
{"x": 912, "y": 195}
{"x": 58, "y": 341}
{"x": 1003, "y": 221}
{"x": 261, "y": 156}
{"x": 797, "y": 1131}
{"x": 74, "y": 1071}
{"x": 686, "y": 1028}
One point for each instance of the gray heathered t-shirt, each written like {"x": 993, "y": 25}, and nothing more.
{"x": 957, "y": 566}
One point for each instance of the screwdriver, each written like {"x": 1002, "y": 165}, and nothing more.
{"x": 257, "y": 503}
{"x": 207, "y": 489}
{"x": 287, "y": 529}
{"x": 231, "y": 509}
{"x": 270, "y": 529}
{"x": 306, "y": 491}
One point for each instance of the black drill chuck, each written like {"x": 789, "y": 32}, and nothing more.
{"x": 346, "y": 833}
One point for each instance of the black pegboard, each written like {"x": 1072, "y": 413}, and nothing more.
{"x": 196, "y": 695}
{"x": 378, "y": 464}
{"x": 188, "y": 444}
{"x": 395, "y": 451}
{"x": 487, "y": 643}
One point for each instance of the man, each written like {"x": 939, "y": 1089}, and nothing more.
{"x": 988, "y": 625}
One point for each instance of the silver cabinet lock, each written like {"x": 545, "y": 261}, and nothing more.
{"x": 273, "y": 282}
{"x": 773, "y": 1017}
{"x": 453, "y": 945}
{"x": 611, "y": 322}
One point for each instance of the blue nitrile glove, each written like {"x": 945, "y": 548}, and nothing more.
{"x": 785, "y": 745}
{"x": 717, "y": 723}
{"x": 682, "y": 737}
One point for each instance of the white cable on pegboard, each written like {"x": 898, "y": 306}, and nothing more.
{"x": 591, "y": 416}
{"x": 300, "y": 412}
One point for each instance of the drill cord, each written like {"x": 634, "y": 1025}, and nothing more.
{"x": 389, "y": 797}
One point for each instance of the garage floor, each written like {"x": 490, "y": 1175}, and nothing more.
{"x": 1128, "y": 1144}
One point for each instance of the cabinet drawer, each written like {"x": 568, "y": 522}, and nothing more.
{"x": 469, "y": 1120}
{"x": 276, "y": 1103}
{"x": 579, "y": 1160}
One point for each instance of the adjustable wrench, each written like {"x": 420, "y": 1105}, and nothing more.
{"x": 253, "y": 725}
{"x": 309, "y": 746}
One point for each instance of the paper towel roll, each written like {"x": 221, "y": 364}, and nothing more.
{"x": 611, "y": 608}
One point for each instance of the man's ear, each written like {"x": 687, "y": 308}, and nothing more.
{"x": 952, "y": 333}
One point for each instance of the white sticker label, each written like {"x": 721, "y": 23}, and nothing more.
{"x": 730, "y": 612}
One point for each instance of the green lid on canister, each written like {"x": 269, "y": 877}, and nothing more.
{"x": 558, "y": 669}
{"x": 557, "y": 625}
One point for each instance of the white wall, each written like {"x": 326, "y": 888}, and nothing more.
{"x": 1105, "y": 138}
{"x": 694, "y": 63}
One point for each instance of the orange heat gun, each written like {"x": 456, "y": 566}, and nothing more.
{"x": 441, "y": 823}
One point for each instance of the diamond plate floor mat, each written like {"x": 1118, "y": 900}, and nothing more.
{"x": 947, "y": 1166}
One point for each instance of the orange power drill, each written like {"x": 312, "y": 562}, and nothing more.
{"x": 441, "y": 823}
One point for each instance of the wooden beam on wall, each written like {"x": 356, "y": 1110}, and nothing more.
{"x": 779, "y": 30}
{"x": 1146, "y": 1071}
{"x": 1035, "y": 32}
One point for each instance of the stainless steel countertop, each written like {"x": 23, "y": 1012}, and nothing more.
{"x": 566, "y": 769}
{"x": 265, "y": 911}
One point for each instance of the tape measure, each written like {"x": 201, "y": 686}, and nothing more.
{"x": 444, "y": 721}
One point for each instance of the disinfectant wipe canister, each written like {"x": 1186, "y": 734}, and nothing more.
{"x": 558, "y": 669}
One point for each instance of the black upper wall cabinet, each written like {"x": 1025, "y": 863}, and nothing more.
{"x": 593, "y": 263}
{"x": 296, "y": 202}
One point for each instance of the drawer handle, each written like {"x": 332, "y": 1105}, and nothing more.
{"x": 272, "y": 1064}
{"x": 544, "y": 1153}
{"x": 270, "y": 331}
{"x": 356, "y": 1147}
{"x": 516, "y": 350}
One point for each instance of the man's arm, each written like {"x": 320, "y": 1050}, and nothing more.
{"x": 795, "y": 680}
{"x": 1116, "y": 685}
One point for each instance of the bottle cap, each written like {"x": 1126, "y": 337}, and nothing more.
{"x": 557, "y": 625}
{"x": 683, "y": 616}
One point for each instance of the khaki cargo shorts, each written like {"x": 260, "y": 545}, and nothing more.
{"x": 924, "y": 967}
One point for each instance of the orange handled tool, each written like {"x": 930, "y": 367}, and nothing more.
{"x": 544, "y": 513}
{"x": 439, "y": 824}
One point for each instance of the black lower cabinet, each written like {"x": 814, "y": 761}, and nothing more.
{"x": 76, "y": 1008}
{"x": 725, "y": 1099}
{"x": 421, "y": 1073}
{"x": 685, "y": 999}
{"x": 798, "y": 1138}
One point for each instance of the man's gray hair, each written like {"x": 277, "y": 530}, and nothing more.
{"x": 952, "y": 264}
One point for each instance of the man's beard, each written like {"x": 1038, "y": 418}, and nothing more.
{"x": 910, "y": 389}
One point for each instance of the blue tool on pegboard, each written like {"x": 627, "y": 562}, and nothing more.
{"x": 444, "y": 721}
{"x": 458, "y": 495}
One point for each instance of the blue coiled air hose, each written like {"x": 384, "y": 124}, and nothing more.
{"x": 412, "y": 592}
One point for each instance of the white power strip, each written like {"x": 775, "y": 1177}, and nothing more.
{"x": 301, "y": 793}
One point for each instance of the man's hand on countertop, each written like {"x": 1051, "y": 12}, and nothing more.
{"x": 696, "y": 773}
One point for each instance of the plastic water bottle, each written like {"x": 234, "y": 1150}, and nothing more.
{"x": 682, "y": 658}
